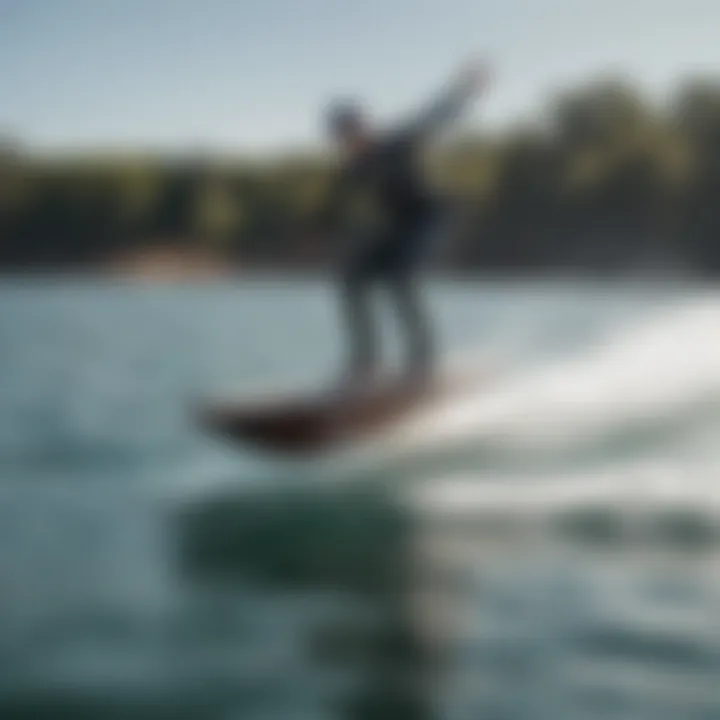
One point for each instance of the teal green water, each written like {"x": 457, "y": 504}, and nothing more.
{"x": 555, "y": 556}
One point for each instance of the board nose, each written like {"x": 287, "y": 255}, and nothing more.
{"x": 294, "y": 432}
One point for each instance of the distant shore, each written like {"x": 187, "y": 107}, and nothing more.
{"x": 168, "y": 264}
{"x": 171, "y": 267}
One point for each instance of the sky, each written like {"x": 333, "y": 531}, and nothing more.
{"x": 238, "y": 75}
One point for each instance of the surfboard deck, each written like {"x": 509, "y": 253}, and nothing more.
{"x": 309, "y": 423}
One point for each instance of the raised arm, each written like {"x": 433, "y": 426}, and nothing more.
{"x": 452, "y": 102}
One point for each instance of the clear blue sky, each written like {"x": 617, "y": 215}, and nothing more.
{"x": 243, "y": 74}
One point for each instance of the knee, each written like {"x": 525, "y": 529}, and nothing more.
{"x": 405, "y": 289}
{"x": 354, "y": 277}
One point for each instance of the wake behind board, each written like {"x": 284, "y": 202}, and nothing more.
{"x": 330, "y": 419}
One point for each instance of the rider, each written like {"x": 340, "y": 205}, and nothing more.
{"x": 386, "y": 167}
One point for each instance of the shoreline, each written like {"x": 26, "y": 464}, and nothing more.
{"x": 260, "y": 273}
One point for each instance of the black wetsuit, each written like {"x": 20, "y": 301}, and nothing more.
{"x": 412, "y": 217}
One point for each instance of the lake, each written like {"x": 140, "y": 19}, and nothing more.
{"x": 558, "y": 560}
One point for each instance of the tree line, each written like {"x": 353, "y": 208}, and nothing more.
{"x": 601, "y": 180}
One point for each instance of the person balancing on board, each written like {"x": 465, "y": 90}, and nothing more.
{"x": 407, "y": 219}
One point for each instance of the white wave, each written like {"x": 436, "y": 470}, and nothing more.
{"x": 642, "y": 486}
{"x": 651, "y": 370}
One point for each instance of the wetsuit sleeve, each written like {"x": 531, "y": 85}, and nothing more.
{"x": 442, "y": 111}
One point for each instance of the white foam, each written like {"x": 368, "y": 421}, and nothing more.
{"x": 656, "y": 484}
{"x": 649, "y": 370}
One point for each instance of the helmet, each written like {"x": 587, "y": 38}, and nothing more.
{"x": 344, "y": 115}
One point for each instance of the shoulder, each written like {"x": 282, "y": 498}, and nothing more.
{"x": 399, "y": 140}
